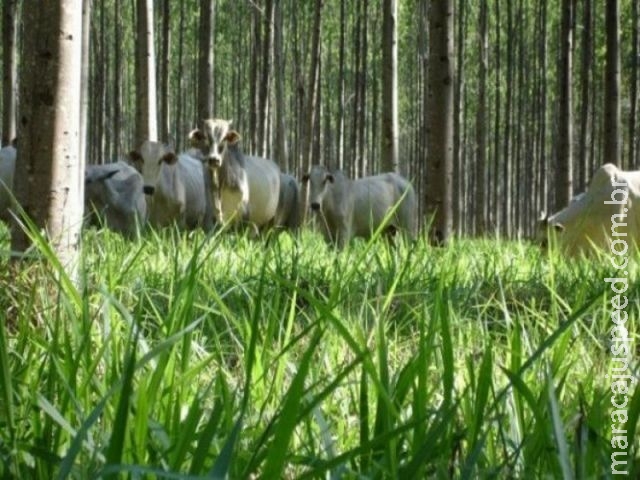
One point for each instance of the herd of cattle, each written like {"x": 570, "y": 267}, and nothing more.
{"x": 215, "y": 183}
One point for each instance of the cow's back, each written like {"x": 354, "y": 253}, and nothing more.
{"x": 375, "y": 196}
{"x": 263, "y": 177}
{"x": 588, "y": 220}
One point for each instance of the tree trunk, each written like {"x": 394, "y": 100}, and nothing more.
{"x": 9, "y": 71}
{"x": 440, "y": 128}
{"x": 180, "y": 80}
{"x": 49, "y": 172}
{"x": 265, "y": 79}
{"x": 458, "y": 129}
{"x": 252, "y": 140}
{"x": 612, "y": 151}
{"x": 205, "y": 60}
{"x": 117, "y": 79}
{"x": 146, "y": 115}
{"x": 505, "y": 174}
{"x": 633, "y": 93}
{"x": 281, "y": 154}
{"x": 84, "y": 82}
{"x": 165, "y": 125}
{"x": 494, "y": 183}
{"x": 585, "y": 107}
{"x": 312, "y": 88}
{"x": 564, "y": 159}
{"x": 481, "y": 131}
{"x": 341, "y": 83}
{"x": 389, "y": 134}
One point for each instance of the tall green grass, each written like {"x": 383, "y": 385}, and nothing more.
{"x": 186, "y": 356}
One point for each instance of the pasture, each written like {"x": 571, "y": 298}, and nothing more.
{"x": 184, "y": 356}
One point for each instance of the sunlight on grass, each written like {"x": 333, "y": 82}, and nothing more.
{"x": 194, "y": 355}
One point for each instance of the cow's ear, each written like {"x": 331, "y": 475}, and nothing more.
{"x": 196, "y": 135}
{"x": 329, "y": 178}
{"x": 232, "y": 137}
{"x": 543, "y": 219}
{"x": 134, "y": 157}
{"x": 305, "y": 178}
{"x": 558, "y": 227}
{"x": 170, "y": 158}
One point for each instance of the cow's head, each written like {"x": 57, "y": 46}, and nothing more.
{"x": 212, "y": 138}
{"x": 148, "y": 158}
{"x": 317, "y": 180}
{"x": 546, "y": 227}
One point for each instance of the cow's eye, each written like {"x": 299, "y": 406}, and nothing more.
{"x": 220, "y": 148}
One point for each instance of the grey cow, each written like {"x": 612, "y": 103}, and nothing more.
{"x": 356, "y": 208}
{"x": 177, "y": 185}
{"x": 114, "y": 197}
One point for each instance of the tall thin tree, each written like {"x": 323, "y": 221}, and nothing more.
{"x": 481, "y": 118}
{"x": 312, "y": 87}
{"x": 48, "y": 175}
{"x": 564, "y": 158}
{"x": 9, "y": 70}
{"x": 281, "y": 153}
{"x": 440, "y": 127}
{"x": 205, "y": 60}
{"x": 84, "y": 83}
{"x": 585, "y": 104}
{"x": 389, "y": 134}
{"x": 612, "y": 150}
{"x": 146, "y": 113}
{"x": 165, "y": 98}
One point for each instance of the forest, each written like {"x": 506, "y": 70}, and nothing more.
{"x": 469, "y": 351}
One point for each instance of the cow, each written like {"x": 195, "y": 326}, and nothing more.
{"x": 244, "y": 188}
{"x": 7, "y": 169}
{"x": 114, "y": 197}
{"x": 357, "y": 208}
{"x": 607, "y": 209}
{"x": 176, "y": 186}
{"x": 288, "y": 212}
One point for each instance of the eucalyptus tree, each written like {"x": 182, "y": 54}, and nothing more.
{"x": 49, "y": 172}
{"x": 9, "y": 70}
{"x": 612, "y": 150}
{"x": 440, "y": 127}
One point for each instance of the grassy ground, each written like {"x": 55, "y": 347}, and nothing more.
{"x": 184, "y": 356}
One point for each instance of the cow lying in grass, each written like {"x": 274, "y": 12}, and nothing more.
{"x": 357, "y": 208}
{"x": 606, "y": 211}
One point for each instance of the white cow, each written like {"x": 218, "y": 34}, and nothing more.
{"x": 356, "y": 208}
{"x": 176, "y": 186}
{"x": 7, "y": 169}
{"x": 114, "y": 197}
{"x": 606, "y": 211}
{"x": 244, "y": 188}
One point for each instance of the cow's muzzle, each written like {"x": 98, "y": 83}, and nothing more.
{"x": 215, "y": 161}
{"x": 315, "y": 206}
